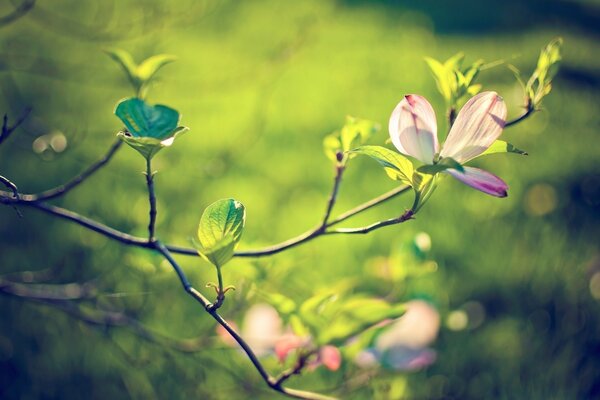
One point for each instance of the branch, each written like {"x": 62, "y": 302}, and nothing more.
{"x": 528, "y": 112}
{"x": 11, "y": 186}
{"x": 61, "y": 297}
{"x": 75, "y": 181}
{"x": 339, "y": 171}
{"x": 269, "y": 380}
{"x": 366, "y": 229}
{"x": 143, "y": 242}
{"x": 17, "y": 13}
{"x": 151, "y": 199}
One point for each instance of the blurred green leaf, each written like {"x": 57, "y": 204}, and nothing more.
{"x": 220, "y": 230}
{"x": 354, "y": 316}
{"x": 331, "y": 146}
{"x": 283, "y": 304}
{"x": 355, "y": 132}
{"x": 391, "y": 160}
{"x": 150, "y": 66}
{"x": 139, "y": 75}
{"x": 540, "y": 83}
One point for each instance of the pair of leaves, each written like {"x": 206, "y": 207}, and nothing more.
{"x": 149, "y": 128}
{"x": 220, "y": 230}
{"x": 139, "y": 74}
{"x": 354, "y": 133}
{"x": 453, "y": 81}
{"x": 540, "y": 83}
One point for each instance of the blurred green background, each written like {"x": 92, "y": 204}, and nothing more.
{"x": 260, "y": 84}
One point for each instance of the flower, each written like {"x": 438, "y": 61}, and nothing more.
{"x": 403, "y": 343}
{"x": 264, "y": 331}
{"x": 413, "y": 131}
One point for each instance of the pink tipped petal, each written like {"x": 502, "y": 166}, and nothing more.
{"x": 481, "y": 180}
{"x": 331, "y": 357}
{"x": 413, "y": 128}
{"x": 286, "y": 343}
{"x": 477, "y": 126}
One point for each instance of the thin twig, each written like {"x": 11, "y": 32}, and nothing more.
{"x": 17, "y": 13}
{"x": 142, "y": 242}
{"x": 296, "y": 369}
{"x": 369, "y": 204}
{"x": 366, "y": 229}
{"x": 339, "y": 171}
{"x": 75, "y": 181}
{"x": 15, "y": 191}
{"x": 151, "y": 199}
{"x": 6, "y": 130}
{"x": 528, "y": 112}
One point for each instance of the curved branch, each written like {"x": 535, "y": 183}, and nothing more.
{"x": 273, "y": 383}
{"x": 528, "y": 112}
{"x": 143, "y": 242}
{"x": 75, "y": 181}
{"x": 17, "y": 13}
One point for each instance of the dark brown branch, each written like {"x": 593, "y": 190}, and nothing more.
{"x": 339, "y": 171}
{"x": 75, "y": 181}
{"x": 88, "y": 223}
{"x": 17, "y": 13}
{"x": 151, "y": 200}
{"x": 11, "y": 186}
{"x": 528, "y": 112}
{"x": 142, "y": 242}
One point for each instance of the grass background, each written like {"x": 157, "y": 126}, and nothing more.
{"x": 260, "y": 84}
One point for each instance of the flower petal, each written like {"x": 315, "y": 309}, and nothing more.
{"x": 331, "y": 357}
{"x": 477, "y": 126}
{"x": 286, "y": 343}
{"x": 481, "y": 180}
{"x": 413, "y": 128}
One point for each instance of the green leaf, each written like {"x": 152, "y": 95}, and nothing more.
{"x": 401, "y": 167}
{"x": 331, "y": 146}
{"x": 354, "y": 316}
{"x": 126, "y": 62}
{"x": 356, "y": 132}
{"x": 455, "y": 62}
{"x": 316, "y": 310}
{"x": 144, "y": 120}
{"x": 442, "y": 165}
{"x": 147, "y": 146}
{"x": 540, "y": 82}
{"x": 220, "y": 230}
{"x": 500, "y": 146}
{"x": 441, "y": 76}
{"x": 150, "y": 66}
{"x": 283, "y": 304}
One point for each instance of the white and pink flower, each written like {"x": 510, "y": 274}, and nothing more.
{"x": 413, "y": 131}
